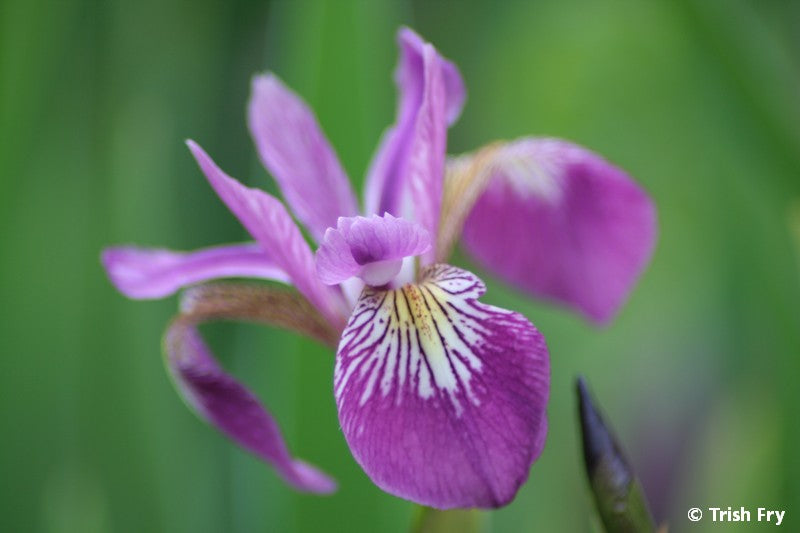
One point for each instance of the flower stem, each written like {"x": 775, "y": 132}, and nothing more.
{"x": 429, "y": 520}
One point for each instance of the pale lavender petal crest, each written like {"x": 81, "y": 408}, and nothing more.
{"x": 441, "y": 397}
{"x": 563, "y": 223}
{"x": 144, "y": 273}
{"x": 386, "y": 179}
{"x": 229, "y": 406}
{"x": 294, "y": 149}
{"x": 268, "y": 222}
{"x": 371, "y": 248}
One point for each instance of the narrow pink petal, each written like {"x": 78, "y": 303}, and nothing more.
{"x": 386, "y": 188}
{"x": 294, "y": 149}
{"x": 371, "y": 248}
{"x": 427, "y": 152}
{"x": 268, "y": 222}
{"x": 156, "y": 273}
{"x": 441, "y": 397}
{"x": 562, "y": 223}
{"x": 226, "y": 404}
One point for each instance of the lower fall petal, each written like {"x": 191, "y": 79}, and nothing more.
{"x": 225, "y": 403}
{"x": 441, "y": 397}
{"x": 562, "y": 223}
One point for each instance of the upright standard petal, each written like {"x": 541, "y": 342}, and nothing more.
{"x": 441, "y": 397}
{"x": 456, "y": 94}
{"x": 427, "y": 152}
{"x": 156, "y": 273}
{"x": 294, "y": 149}
{"x": 562, "y": 223}
{"x": 371, "y": 248}
{"x": 268, "y": 222}
{"x": 228, "y": 405}
{"x": 387, "y": 178}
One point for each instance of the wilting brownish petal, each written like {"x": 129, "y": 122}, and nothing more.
{"x": 259, "y": 304}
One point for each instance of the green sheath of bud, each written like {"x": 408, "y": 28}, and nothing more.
{"x": 617, "y": 493}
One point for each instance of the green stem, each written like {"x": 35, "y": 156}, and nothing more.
{"x": 429, "y": 520}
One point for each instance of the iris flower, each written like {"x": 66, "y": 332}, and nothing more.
{"x": 441, "y": 397}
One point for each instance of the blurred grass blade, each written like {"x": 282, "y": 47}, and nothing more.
{"x": 794, "y": 226}
{"x": 617, "y": 493}
{"x": 429, "y": 520}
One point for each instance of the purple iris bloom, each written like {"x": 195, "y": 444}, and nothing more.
{"x": 441, "y": 397}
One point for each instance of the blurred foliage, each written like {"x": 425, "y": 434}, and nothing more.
{"x": 696, "y": 98}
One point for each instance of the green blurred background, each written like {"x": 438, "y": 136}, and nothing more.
{"x": 699, "y": 374}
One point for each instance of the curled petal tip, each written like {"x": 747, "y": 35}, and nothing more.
{"x": 314, "y": 479}
{"x": 456, "y": 93}
{"x": 230, "y": 407}
{"x": 430, "y": 88}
